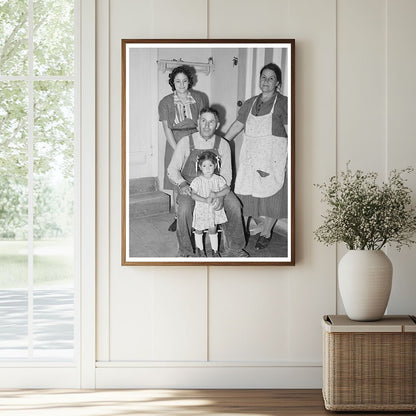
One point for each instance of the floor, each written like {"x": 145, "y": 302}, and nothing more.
{"x": 149, "y": 237}
{"x": 167, "y": 402}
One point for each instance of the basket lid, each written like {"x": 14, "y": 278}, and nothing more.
{"x": 389, "y": 323}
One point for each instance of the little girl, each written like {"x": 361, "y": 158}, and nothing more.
{"x": 205, "y": 188}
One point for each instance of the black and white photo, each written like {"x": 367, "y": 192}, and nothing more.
{"x": 208, "y": 152}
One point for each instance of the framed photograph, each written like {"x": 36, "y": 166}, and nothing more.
{"x": 208, "y": 134}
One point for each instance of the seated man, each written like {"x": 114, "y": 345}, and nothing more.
{"x": 183, "y": 169}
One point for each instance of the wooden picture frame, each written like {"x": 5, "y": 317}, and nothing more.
{"x": 226, "y": 75}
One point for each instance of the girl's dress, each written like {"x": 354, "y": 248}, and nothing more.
{"x": 182, "y": 120}
{"x": 204, "y": 215}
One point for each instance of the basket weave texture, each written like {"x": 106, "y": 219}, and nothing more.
{"x": 369, "y": 371}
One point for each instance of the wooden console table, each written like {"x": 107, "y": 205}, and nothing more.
{"x": 369, "y": 366}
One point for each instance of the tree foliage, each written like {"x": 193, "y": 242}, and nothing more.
{"x": 13, "y": 37}
{"x": 53, "y": 37}
{"x": 51, "y": 118}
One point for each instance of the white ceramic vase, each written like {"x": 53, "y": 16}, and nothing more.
{"x": 364, "y": 278}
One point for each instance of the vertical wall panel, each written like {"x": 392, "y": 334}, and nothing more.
{"x": 158, "y": 316}
{"x": 401, "y": 140}
{"x": 178, "y": 19}
{"x": 248, "y": 315}
{"x": 361, "y": 84}
{"x": 131, "y": 315}
{"x": 102, "y": 178}
{"x": 265, "y": 19}
{"x": 180, "y": 307}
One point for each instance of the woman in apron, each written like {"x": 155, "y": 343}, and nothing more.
{"x": 178, "y": 113}
{"x": 261, "y": 182}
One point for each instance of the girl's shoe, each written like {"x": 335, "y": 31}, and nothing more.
{"x": 215, "y": 253}
{"x": 199, "y": 252}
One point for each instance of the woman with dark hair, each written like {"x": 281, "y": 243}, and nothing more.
{"x": 261, "y": 182}
{"x": 178, "y": 113}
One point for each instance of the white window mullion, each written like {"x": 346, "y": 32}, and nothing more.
{"x": 77, "y": 178}
{"x": 87, "y": 202}
{"x": 30, "y": 179}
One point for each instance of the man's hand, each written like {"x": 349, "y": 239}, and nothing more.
{"x": 218, "y": 203}
{"x": 185, "y": 190}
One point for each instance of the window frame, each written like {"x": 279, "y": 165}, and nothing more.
{"x": 80, "y": 373}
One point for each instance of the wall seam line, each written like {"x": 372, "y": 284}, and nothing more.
{"x": 109, "y": 182}
{"x": 336, "y": 140}
{"x": 386, "y": 4}
{"x": 208, "y": 20}
{"x": 207, "y": 319}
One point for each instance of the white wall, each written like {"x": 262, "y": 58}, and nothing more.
{"x": 255, "y": 326}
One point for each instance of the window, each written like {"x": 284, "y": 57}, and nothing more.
{"x": 38, "y": 185}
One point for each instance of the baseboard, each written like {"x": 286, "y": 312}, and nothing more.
{"x": 113, "y": 375}
{"x": 209, "y": 377}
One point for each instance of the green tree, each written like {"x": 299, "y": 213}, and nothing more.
{"x": 52, "y": 117}
{"x": 13, "y": 209}
{"x": 13, "y": 37}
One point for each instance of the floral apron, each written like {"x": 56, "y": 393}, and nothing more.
{"x": 261, "y": 172}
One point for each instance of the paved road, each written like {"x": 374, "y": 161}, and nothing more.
{"x": 53, "y": 323}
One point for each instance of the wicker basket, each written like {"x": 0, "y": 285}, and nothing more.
{"x": 369, "y": 366}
